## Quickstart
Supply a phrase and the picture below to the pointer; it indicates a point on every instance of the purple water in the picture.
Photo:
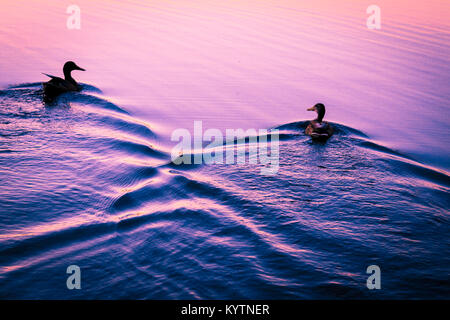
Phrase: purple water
(89, 180)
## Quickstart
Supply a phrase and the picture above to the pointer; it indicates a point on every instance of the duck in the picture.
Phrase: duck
(56, 85)
(318, 129)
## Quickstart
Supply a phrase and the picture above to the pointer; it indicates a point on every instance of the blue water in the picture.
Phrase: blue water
(85, 182)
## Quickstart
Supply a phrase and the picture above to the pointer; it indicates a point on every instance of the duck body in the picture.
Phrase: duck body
(317, 129)
(57, 86)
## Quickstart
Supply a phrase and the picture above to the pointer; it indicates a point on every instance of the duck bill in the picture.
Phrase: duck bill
(81, 69)
(311, 109)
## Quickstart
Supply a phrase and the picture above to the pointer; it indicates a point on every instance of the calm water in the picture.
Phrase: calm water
(89, 180)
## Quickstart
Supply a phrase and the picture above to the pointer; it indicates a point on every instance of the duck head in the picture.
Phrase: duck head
(320, 109)
(69, 66)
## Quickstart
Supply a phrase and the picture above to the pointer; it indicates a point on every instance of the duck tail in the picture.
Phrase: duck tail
(48, 75)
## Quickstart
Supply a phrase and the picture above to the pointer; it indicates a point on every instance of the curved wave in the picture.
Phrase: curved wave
(339, 128)
(95, 184)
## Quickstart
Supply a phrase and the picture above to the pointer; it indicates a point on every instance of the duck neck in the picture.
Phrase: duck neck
(68, 77)
(320, 116)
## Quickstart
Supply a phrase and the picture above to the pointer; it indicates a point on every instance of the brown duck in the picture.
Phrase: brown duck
(318, 129)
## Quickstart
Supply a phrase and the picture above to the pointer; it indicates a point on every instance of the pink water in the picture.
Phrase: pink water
(250, 64)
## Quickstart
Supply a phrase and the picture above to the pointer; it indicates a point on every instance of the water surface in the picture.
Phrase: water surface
(89, 180)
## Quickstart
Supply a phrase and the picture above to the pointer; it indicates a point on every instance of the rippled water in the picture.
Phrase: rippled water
(89, 180)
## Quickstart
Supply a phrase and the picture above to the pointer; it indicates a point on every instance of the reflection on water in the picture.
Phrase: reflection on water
(88, 180)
